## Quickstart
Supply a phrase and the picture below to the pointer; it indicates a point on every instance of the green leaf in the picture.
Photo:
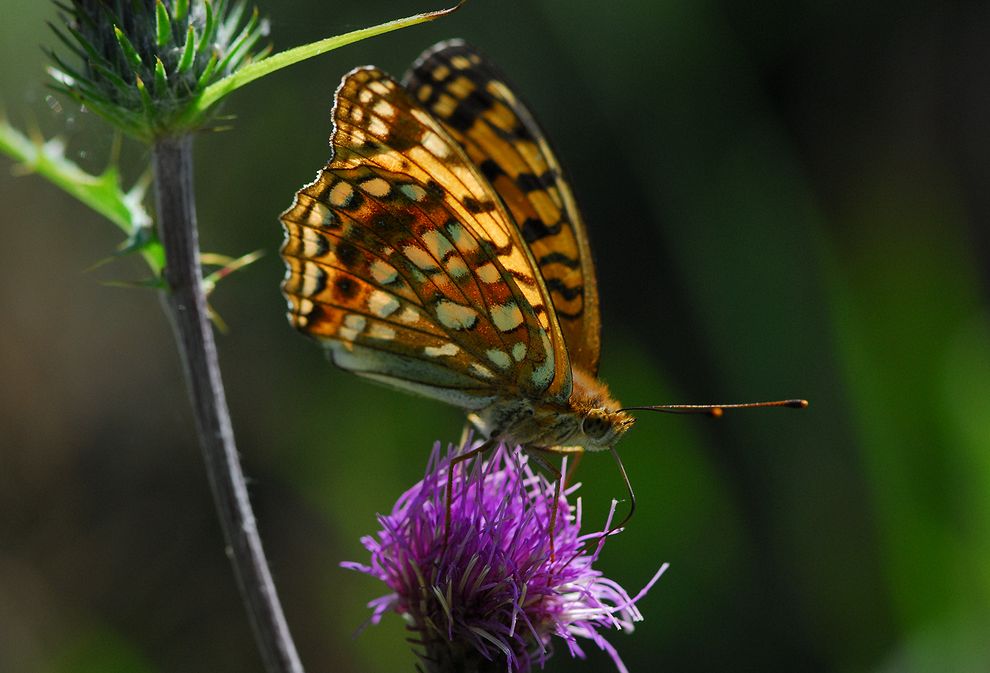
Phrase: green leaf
(161, 78)
(180, 10)
(188, 52)
(234, 18)
(139, 240)
(63, 74)
(130, 53)
(146, 101)
(241, 42)
(207, 72)
(91, 51)
(163, 25)
(228, 265)
(152, 283)
(64, 39)
(209, 30)
(257, 69)
(107, 74)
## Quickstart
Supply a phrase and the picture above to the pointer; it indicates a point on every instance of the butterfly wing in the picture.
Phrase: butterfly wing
(471, 99)
(405, 264)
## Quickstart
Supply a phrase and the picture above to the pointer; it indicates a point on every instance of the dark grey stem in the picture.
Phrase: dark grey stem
(185, 304)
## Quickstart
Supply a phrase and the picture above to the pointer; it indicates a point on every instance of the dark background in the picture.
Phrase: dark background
(784, 199)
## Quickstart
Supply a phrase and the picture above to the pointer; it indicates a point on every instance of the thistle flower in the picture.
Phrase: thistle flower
(143, 63)
(492, 595)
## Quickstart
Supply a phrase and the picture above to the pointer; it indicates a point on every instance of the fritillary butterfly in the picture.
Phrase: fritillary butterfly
(441, 252)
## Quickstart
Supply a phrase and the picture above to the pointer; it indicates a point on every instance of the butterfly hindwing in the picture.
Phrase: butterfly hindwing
(468, 95)
(405, 264)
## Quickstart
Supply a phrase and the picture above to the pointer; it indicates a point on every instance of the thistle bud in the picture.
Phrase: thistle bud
(143, 64)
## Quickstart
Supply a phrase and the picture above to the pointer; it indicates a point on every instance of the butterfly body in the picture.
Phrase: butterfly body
(588, 421)
(441, 252)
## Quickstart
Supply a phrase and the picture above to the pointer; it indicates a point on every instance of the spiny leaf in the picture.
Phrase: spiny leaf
(188, 52)
(234, 18)
(140, 240)
(180, 10)
(209, 30)
(64, 39)
(161, 79)
(217, 321)
(163, 25)
(94, 55)
(241, 41)
(227, 264)
(146, 102)
(154, 283)
(207, 72)
(130, 53)
(115, 79)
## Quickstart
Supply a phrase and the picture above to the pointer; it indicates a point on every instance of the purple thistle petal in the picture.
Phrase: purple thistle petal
(491, 597)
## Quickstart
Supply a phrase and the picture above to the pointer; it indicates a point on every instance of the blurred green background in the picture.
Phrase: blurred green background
(785, 199)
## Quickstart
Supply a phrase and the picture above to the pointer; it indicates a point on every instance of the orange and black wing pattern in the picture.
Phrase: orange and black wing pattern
(406, 265)
(467, 94)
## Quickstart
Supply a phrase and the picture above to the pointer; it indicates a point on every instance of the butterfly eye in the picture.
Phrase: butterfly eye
(594, 427)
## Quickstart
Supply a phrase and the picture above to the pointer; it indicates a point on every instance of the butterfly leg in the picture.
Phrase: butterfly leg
(454, 462)
(558, 477)
(543, 461)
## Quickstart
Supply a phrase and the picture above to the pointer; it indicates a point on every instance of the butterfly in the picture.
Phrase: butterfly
(440, 251)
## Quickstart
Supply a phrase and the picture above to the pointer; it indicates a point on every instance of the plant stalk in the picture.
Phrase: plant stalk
(185, 304)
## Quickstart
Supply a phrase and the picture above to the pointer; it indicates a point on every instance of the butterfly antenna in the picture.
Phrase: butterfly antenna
(716, 410)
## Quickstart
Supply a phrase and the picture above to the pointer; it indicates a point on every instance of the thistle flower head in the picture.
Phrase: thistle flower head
(492, 595)
(142, 63)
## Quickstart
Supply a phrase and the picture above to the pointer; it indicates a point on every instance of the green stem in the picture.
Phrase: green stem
(185, 303)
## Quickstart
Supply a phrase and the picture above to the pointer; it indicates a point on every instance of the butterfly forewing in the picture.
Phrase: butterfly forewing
(405, 263)
(468, 95)
(376, 121)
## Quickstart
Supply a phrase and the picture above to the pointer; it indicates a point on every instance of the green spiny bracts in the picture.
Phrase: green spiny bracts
(142, 64)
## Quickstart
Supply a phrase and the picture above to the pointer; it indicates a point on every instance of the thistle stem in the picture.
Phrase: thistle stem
(185, 304)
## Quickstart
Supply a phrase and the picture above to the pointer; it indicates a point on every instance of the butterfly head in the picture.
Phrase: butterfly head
(602, 427)
(600, 420)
